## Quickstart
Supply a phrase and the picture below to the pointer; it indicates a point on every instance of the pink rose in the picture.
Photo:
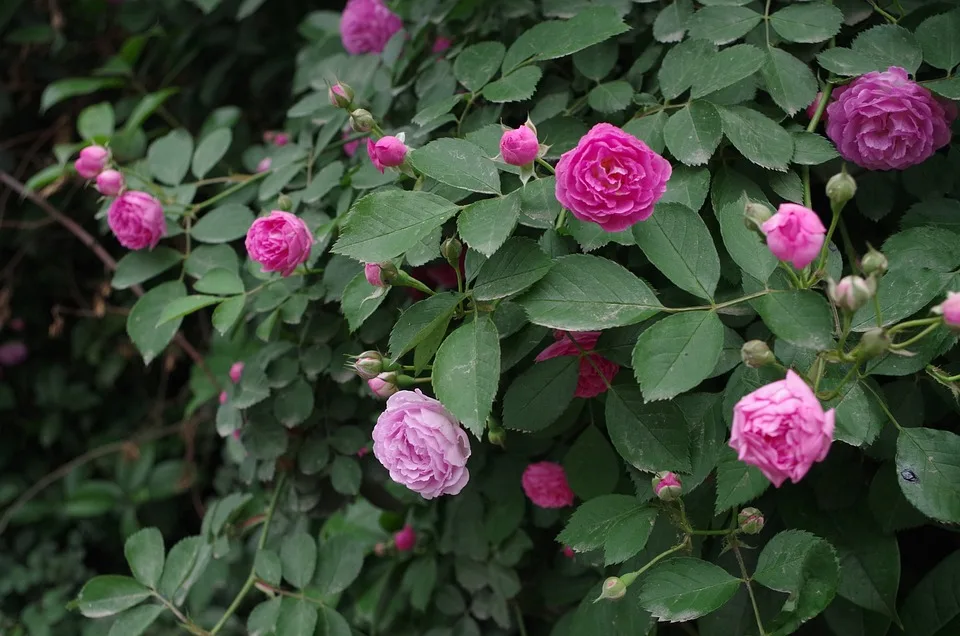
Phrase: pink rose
(589, 383)
(264, 164)
(12, 353)
(384, 385)
(350, 147)
(519, 146)
(422, 445)
(545, 484)
(611, 178)
(885, 121)
(406, 539)
(374, 274)
(794, 234)
(367, 25)
(279, 242)
(92, 161)
(950, 310)
(110, 183)
(782, 429)
(441, 44)
(136, 219)
(815, 104)
(236, 371)
(387, 152)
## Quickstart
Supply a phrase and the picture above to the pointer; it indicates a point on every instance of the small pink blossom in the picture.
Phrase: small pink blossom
(950, 310)
(281, 139)
(374, 274)
(223, 397)
(387, 152)
(110, 183)
(795, 234)
(406, 539)
(590, 383)
(279, 242)
(236, 371)
(136, 219)
(92, 161)
(441, 44)
(568, 552)
(545, 484)
(367, 25)
(264, 164)
(519, 146)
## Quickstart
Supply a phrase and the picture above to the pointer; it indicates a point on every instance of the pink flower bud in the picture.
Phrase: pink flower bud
(384, 385)
(388, 152)
(236, 435)
(281, 139)
(406, 539)
(223, 397)
(756, 354)
(666, 486)
(264, 164)
(750, 521)
(441, 44)
(12, 353)
(92, 161)
(852, 292)
(519, 146)
(795, 234)
(874, 263)
(236, 370)
(613, 589)
(110, 183)
(545, 483)
(136, 219)
(368, 364)
(374, 274)
(340, 95)
(568, 552)
(950, 310)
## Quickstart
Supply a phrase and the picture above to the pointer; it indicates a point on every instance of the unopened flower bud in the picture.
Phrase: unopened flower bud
(374, 273)
(264, 164)
(340, 95)
(874, 263)
(110, 183)
(361, 121)
(754, 216)
(950, 310)
(756, 354)
(875, 342)
(451, 250)
(281, 139)
(495, 432)
(852, 292)
(568, 552)
(406, 539)
(368, 364)
(666, 486)
(750, 521)
(841, 188)
(613, 589)
(284, 202)
(384, 385)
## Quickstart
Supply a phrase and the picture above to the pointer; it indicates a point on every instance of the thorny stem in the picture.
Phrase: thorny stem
(746, 579)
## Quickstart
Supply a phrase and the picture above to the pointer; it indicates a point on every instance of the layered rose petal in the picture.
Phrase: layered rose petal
(590, 382)
(519, 146)
(279, 242)
(545, 483)
(136, 219)
(367, 25)
(795, 234)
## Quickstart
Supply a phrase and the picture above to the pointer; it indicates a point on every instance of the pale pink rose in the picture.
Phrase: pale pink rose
(12, 353)
(92, 161)
(422, 445)
(885, 121)
(950, 310)
(236, 371)
(611, 178)
(794, 234)
(279, 242)
(387, 152)
(110, 183)
(374, 274)
(350, 148)
(815, 104)
(406, 539)
(589, 383)
(264, 164)
(367, 25)
(384, 385)
(441, 44)
(545, 484)
(519, 146)
(136, 219)
(782, 429)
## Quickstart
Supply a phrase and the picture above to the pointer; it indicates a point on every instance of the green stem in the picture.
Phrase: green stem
(718, 306)
(920, 322)
(914, 339)
(251, 579)
(223, 195)
(797, 283)
(883, 405)
(630, 577)
(822, 261)
(830, 395)
(466, 109)
(176, 612)
(711, 532)
(520, 624)
(746, 580)
(821, 107)
(561, 219)
(877, 309)
(848, 244)
(546, 165)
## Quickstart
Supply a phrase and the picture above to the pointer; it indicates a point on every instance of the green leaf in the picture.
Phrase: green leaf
(688, 187)
(137, 267)
(518, 86)
(341, 559)
(248, 8)
(672, 21)
(789, 81)
(421, 578)
(345, 475)
(683, 65)
(889, 506)
(457, 163)
(650, 436)
(360, 300)
(298, 556)
(903, 292)
(297, 618)
(678, 243)
(420, 320)
(147, 105)
(514, 267)
(929, 468)
(804, 566)
(801, 317)
(227, 313)
(169, 156)
(135, 621)
(540, 395)
(96, 121)
(677, 353)
(810, 149)
(332, 623)
(207, 257)
(648, 129)
(538, 203)
(875, 49)
(722, 25)
(933, 605)
(268, 566)
(859, 413)
(294, 403)
(181, 560)
(807, 22)
(437, 109)
(60, 90)
(210, 150)
(466, 372)
(597, 61)
(693, 133)
(726, 68)
(145, 553)
(486, 224)
(223, 224)
(149, 338)
(278, 179)
(737, 482)
(591, 465)
(478, 63)
(219, 281)
(387, 223)
(936, 36)
(610, 97)
(619, 524)
(263, 618)
(323, 182)
(583, 293)
(729, 198)
(108, 595)
(685, 588)
(760, 139)
(180, 307)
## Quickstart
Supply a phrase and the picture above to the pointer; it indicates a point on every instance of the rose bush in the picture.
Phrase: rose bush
(526, 380)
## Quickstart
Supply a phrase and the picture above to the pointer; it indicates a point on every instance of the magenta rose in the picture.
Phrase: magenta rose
(795, 234)
(545, 483)
(367, 25)
(519, 146)
(279, 242)
(92, 161)
(611, 178)
(110, 183)
(885, 121)
(405, 539)
(422, 445)
(782, 429)
(136, 219)
(387, 152)
(590, 382)
(950, 310)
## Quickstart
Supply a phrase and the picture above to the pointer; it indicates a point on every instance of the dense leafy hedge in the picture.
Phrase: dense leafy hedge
(617, 266)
